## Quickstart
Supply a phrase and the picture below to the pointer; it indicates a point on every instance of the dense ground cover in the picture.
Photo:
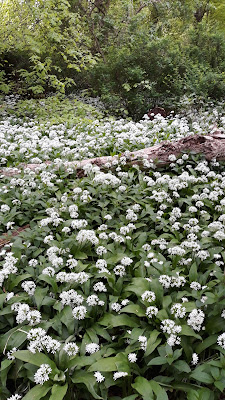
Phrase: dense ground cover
(116, 290)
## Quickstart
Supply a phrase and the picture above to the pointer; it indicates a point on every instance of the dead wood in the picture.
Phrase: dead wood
(211, 146)
(7, 237)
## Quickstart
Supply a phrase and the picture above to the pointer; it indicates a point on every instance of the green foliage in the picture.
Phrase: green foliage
(129, 368)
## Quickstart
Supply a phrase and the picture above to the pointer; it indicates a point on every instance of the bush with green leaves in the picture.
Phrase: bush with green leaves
(116, 289)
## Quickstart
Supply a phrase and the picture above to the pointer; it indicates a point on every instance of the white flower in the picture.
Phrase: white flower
(119, 270)
(194, 359)
(92, 300)
(87, 236)
(196, 319)
(79, 312)
(173, 340)
(116, 307)
(34, 317)
(9, 296)
(221, 340)
(195, 286)
(92, 348)
(223, 314)
(169, 326)
(108, 217)
(101, 250)
(71, 349)
(132, 357)
(36, 334)
(118, 375)
(150, 311)
(148, 296)
(99, 377)
(126, 261)
(143, 341)
(5, 208)
(178, 310)
(29, 287)
(42, 374)
(99, 287)
(15, 397)
(10, 355)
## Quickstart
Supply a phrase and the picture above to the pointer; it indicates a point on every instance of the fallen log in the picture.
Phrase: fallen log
(212, 146)
(7, 237)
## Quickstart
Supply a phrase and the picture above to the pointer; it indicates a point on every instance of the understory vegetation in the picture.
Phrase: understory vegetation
(115, 289)
(130, 53)
(111, 279)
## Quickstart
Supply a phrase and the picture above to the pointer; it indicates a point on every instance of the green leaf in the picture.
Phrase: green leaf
(182, 366)
(138, 286)
(158, 390)
(14, 338)
(134, 309)
(5, 366)
(187, 331)
(143, 387)
(209, 341)
(158, 361)
(201, 376)
(119, 320)
(15, 282)
(152, 342)
(2, 299)
(58, 392)
(104, 365)
(88, 380)
(193, 273)
(51, 281)
(35, 359)
(38, 392)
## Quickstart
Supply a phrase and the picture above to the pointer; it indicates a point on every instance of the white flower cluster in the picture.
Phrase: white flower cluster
(71, 349)
(42, 374)
(196, 319)
(71, 298)
(24, 313)
(39, 341)
(87, 236)
(172, 281)
(148, 296)
(8, 267)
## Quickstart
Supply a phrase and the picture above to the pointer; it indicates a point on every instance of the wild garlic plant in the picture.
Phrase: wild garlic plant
(116, 289)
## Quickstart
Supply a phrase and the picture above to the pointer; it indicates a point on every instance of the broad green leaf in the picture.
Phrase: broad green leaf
(187, 331)
(38, 392)
(138, 286)
(158, 390)
(209, 341)
(35, 359)
(2, 299)
(182, 366)
(13, 338)
(134, 309)
(111, 320)
(193, 273)
(105, 365)
(88, 380)
(51, 281)
(201, 376)
(158, 361)
(58, 392)
(152, 342)
(5, 366)
(16, 280)
(143, 387)
(152, 347)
